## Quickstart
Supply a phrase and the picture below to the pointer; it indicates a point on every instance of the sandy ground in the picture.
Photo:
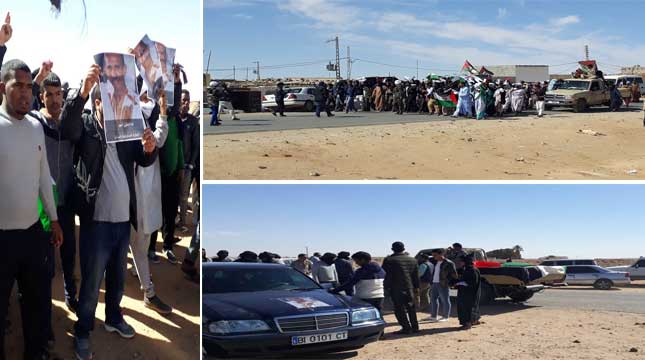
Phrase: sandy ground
(561, 146)
(175, 336)
(515, 332)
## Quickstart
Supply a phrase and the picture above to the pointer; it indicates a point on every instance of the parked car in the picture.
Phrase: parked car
(252, 309)
(624, 79)
(568, 262)
(598, 277)
(299, 98)
(636, 271)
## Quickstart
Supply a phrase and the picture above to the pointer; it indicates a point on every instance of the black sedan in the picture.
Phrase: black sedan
(269, 309)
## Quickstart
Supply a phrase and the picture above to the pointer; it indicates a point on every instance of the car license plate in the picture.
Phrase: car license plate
(318, 338)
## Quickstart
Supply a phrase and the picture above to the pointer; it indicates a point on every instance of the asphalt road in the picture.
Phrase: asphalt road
(630, 300)
(255, 122)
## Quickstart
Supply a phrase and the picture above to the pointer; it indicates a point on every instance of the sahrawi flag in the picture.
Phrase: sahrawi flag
(469, 68)
(446, 100)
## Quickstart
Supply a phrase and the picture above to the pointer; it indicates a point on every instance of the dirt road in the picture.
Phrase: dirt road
(561, 146)
(158, 337)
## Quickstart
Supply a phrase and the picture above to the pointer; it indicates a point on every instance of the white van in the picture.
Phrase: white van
(623, 79)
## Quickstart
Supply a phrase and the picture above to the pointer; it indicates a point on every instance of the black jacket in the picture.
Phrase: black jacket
(279, 96)
(189, 136)
(3, 50)
(89, 156)
(401, 272)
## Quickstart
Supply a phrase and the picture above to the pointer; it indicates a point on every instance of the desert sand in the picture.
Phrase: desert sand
(564, 145)
(518, 332)
(175, 336)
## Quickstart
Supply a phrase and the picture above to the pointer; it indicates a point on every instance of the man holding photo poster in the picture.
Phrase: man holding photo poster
(104, 199)
(149, 65)
(167, 59)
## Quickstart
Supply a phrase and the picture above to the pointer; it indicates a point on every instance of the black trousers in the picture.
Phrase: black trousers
(405, 309)
(476, 313)
(465, 304)
(27, 262)
(169, 204)
(280, 108)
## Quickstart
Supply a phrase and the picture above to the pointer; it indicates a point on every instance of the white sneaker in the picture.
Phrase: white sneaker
(443, 319)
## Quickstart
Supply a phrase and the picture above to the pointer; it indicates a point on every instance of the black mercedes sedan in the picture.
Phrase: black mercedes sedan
(269, 309)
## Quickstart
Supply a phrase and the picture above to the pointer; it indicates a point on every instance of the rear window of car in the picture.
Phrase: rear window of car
(222, 280)
(294, 91)
(585, 262)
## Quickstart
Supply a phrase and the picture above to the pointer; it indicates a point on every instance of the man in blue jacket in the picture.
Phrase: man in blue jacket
(367, 281)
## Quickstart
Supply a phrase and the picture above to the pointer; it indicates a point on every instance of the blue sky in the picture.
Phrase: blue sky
(112, 26)
(440, 34)
(571, 220)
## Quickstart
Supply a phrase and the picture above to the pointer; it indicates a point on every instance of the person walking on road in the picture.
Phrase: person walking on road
(279, 100)
(321, 96)
(402, 282)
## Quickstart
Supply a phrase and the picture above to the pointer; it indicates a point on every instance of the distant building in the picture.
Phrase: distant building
(518, 73)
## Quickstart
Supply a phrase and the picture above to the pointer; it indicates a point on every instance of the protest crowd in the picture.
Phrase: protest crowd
(412, 284)
(58, 168)
(473, 94)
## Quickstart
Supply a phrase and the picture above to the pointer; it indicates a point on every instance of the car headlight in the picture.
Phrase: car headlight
(225, 327)
(360, 316)
(568, 97)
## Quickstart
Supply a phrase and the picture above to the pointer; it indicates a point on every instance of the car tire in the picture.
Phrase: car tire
(580, 106)
(309, 106)
(487, 293)
(603, 284)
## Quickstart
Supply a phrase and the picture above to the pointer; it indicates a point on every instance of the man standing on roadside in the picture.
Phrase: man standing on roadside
(402, 281)
(444, 273)
(190, 135)
(302, 264)
(25, 178)
(279, 100)
(344, 269)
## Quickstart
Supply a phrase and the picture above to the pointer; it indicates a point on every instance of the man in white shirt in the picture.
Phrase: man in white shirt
(444, 274)
(25, 178)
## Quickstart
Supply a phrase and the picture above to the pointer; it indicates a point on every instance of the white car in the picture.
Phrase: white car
(596, 276)
(636, 271)
(300, 98)
(613, 79)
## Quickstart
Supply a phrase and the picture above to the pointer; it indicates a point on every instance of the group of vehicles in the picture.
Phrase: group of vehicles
(579, 94)
(257, 308)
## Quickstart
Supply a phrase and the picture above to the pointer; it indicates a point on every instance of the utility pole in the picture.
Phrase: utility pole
(233, 72)
(257, 69)
(417, 69)
(349, 65)
(208, 64)
(247, 73)
(587, 52)
(336, 40)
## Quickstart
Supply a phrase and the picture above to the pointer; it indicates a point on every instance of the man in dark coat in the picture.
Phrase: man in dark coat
(321, 96)
(344, 269)
(468, 286)
(402, 282)
(279, 100)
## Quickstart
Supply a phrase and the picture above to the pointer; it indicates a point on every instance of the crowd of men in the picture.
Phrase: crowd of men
(412, 284)
(57, 167)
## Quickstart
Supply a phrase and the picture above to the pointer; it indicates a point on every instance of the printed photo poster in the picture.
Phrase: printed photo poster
(304, 302)
(167, 59)
(122, 117)
(150, 65)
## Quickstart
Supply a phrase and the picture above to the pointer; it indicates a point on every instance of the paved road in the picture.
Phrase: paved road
(631, 300)
(254, 122)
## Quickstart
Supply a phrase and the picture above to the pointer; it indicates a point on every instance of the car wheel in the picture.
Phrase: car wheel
(581, 106)
(309, 106)
(487, 293)
(603, 284)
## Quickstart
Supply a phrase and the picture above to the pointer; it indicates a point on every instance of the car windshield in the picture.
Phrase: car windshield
(222, 280)
(574, 85)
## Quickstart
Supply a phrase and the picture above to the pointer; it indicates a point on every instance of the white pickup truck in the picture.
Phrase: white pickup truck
(636, 271)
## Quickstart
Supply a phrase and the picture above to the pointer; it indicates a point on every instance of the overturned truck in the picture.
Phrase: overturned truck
(519, 282)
